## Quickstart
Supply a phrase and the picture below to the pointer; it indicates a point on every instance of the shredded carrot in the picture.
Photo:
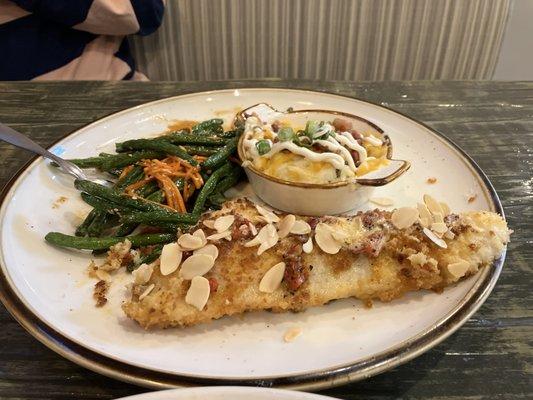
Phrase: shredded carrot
(130, 189)
(165, 173)
(125, 171)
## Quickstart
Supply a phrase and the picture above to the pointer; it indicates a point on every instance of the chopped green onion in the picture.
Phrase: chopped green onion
(310, 129)
(285, 134)
(263, 147)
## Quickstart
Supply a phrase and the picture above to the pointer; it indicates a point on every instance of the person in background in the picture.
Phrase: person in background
(73, 39)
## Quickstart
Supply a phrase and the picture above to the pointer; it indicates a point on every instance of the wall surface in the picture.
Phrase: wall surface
(325, 39)
(515, 61)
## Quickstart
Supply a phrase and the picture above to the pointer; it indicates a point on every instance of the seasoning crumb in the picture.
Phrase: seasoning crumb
(292, 334)
(472, 198)
(99, 294)
(60, 200)
(431, 180)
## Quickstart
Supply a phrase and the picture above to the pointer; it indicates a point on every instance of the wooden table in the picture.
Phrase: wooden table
(490, 356)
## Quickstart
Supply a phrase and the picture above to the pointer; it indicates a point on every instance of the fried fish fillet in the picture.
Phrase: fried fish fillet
(376, 261)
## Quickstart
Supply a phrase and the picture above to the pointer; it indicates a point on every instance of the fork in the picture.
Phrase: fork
(18, 139)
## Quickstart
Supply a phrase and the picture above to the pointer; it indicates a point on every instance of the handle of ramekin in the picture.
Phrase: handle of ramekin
(373, 178)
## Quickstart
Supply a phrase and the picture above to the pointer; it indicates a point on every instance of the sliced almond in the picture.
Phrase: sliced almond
(439, 227)
(307, 247)
(404, 217)
(269, 216)
(223, 223)
(200, 233)
(300, 227)
(435, 239)
(271, 239)
(382, 201)
(190, 242)
(338, 234)
(292, 334)
(142, 274)
(432, 204)
(325, 240)
(445, 208)
(458, 269)
(425, 215)
(285, 225)
(220, 235)
(210, 250)
(209, 223)
(425, 222)
(170, 258)
(272, 278)
(196, 265)
(264, 233)
(437, 217)
(198, 293)
(253, 229)
(147, 291)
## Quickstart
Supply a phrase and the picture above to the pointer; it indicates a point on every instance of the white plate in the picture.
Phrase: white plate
(48, 290)
(226, 393)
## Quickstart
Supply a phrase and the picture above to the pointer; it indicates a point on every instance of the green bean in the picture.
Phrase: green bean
(158, 145)
(187, 138)
(94, 243)
(135, 175)
(209, 187)
(231, 180)
(210, 126)
(81, 230)
(217, 197)
(123, 160)
(230, 134)
(90, 162)
(200, 150)
(99, 224)
(216, 160)
(155, 218)
(112, 196)
(104, 205)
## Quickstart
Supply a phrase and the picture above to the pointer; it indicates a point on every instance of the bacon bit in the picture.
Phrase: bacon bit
(313, 222)
(241, 228)
(431, 180)
(213, 285)
(472, 198)
(295, 272)
(342, 125)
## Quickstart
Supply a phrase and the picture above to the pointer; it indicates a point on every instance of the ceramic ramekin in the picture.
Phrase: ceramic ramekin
(316, 199)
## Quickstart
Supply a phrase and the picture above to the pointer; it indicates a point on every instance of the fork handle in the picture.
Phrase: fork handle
(15, 138)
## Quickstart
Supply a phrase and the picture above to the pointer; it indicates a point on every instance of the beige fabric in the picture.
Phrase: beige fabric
(9, 11)
(97, 62)
(106, 17)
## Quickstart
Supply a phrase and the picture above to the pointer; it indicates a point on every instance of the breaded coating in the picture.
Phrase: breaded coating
(377, 261)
